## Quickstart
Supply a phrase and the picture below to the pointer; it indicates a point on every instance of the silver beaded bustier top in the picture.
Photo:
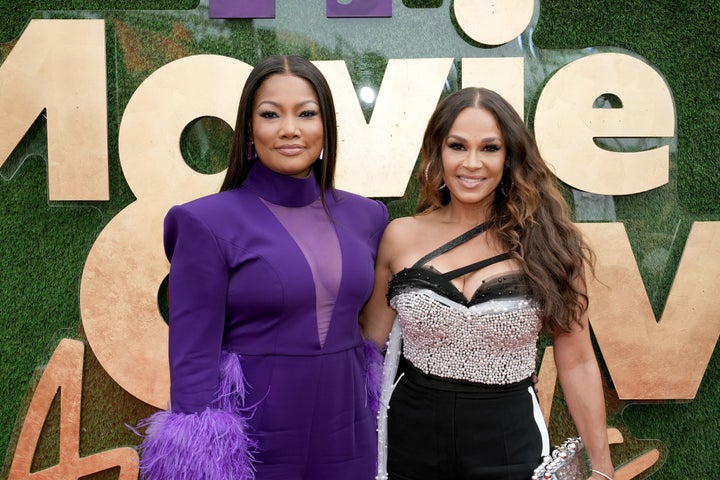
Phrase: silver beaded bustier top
(490, 338)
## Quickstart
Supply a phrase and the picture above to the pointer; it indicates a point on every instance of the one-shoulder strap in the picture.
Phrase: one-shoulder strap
(474, 232)
(475, 266)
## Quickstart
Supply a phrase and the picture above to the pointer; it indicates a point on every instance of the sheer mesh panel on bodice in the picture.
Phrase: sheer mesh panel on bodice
(314, 233)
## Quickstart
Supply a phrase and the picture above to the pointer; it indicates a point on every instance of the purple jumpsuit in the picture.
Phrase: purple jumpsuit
(265, 290)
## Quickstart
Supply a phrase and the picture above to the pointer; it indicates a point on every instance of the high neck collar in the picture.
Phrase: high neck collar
(281, 189)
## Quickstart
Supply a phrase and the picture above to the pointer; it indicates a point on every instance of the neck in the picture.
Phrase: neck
(466, 215)
(281, 189)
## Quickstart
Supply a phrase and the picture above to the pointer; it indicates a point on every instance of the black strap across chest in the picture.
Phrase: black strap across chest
(459, 240)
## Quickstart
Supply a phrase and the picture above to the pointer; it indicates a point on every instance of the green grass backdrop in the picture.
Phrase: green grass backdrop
(44, 244)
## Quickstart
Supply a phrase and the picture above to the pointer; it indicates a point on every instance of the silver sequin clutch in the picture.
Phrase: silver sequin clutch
(566, 462)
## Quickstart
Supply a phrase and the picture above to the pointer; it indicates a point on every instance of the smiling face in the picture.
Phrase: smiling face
(287, 127)
(473, 158)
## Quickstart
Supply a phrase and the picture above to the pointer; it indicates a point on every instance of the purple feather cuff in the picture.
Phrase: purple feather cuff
(209, 445)
(373, 375)
(212, 445)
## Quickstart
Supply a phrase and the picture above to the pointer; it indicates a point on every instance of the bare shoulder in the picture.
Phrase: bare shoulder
(397, 234)
(404, 242)
(400, 229)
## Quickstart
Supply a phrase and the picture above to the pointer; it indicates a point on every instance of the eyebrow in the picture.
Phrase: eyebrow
(301, 104)
(484, 140)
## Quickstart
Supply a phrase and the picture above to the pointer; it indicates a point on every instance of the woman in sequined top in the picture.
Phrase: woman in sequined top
(490, 259)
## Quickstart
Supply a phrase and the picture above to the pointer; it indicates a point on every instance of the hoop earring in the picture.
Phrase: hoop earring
(427, 176)
(322, 153)
(250, 151)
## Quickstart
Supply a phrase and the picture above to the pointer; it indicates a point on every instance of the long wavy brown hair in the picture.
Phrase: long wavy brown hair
(529, 214)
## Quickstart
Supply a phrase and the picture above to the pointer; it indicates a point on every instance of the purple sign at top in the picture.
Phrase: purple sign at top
(359, 8)
(242, 9)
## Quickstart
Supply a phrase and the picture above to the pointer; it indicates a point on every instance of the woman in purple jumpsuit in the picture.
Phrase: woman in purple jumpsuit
(267, 279)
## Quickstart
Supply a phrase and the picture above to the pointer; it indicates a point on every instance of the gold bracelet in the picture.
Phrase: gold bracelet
(601, 474)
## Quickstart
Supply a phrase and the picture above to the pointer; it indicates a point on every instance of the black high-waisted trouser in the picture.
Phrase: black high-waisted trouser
(442, 429)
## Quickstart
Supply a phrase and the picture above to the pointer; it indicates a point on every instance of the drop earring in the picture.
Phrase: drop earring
(506, 174)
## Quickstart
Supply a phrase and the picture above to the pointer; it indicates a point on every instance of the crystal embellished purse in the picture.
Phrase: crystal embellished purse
(566, 462)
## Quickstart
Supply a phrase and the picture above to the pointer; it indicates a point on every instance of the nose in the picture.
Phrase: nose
(289, 127)
(473, 159)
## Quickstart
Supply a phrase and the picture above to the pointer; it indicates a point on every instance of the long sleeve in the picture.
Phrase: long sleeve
(383, 215)
(205, 433)
(197, 298)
